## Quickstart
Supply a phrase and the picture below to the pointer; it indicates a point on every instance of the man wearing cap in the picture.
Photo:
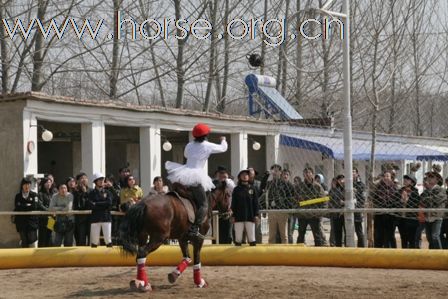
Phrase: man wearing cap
(223, 175)
(309, 189)
(409, 223)
(385, 195)
(100, 202)
(280, 195)
(433, 197)
(193, 174)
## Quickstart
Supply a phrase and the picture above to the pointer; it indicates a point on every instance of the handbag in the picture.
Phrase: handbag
(63, 224)
(50, 223)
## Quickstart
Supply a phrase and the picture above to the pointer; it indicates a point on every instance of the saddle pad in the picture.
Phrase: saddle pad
(189, 207)
(187, 204)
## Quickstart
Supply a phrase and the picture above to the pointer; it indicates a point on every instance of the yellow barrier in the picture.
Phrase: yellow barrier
(225, 255)
(314, 201)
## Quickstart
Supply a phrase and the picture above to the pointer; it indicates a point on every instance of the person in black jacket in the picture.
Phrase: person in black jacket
(80, 199)
(358, 189)
(45, 194)
(256, 184)
(100, 202)
(337, 201)
(385, 195)
(27, 226)
(109, 185)
(409, 199)
(307, 190)
(245, 209)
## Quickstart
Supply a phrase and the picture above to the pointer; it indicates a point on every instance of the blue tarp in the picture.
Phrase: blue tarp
(334, 148)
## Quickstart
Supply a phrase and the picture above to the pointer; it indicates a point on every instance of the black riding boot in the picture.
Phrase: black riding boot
(200, 199)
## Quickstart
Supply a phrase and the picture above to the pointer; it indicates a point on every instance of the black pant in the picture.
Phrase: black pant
(337, 225)
(82, 231)
(410, 231)
(28, 237)
(45, 237)
(399, 222)
(359, 233)
(384, 231)
(444, 233)
(115, 229)
(316, 228)
(258, 233)
(225, 231)
(201, 202)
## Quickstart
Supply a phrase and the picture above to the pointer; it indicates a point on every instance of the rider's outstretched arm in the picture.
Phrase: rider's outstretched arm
(218, 148)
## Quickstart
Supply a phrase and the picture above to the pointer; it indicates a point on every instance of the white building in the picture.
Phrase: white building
(102, 136)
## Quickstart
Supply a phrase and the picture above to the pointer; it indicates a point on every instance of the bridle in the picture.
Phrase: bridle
(218, 199)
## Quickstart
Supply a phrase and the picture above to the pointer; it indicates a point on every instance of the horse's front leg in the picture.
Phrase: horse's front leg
(174, 275)
(142, 282)
(198, 280)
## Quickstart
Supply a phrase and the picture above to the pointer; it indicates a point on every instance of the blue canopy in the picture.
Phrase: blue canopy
(333, 147)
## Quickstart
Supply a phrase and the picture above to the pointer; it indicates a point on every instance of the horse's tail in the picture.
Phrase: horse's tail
(131, 226)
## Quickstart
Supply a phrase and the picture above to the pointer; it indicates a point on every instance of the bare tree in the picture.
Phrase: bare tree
(212, 60)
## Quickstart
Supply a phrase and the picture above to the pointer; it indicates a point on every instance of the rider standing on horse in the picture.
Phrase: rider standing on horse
(193, 173)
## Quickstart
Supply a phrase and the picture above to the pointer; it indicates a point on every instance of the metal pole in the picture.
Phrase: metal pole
(215, 218)
(348, 163)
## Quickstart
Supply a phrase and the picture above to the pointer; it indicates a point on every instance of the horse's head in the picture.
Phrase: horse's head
(221, 198)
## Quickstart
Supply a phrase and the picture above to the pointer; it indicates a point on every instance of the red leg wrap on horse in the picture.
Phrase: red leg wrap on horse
(197, 276)
(183, 265)
(141, 273)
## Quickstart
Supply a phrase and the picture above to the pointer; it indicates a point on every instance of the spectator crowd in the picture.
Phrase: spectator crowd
(251, 193)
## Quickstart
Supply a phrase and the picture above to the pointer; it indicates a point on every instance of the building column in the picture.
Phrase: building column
(93, 148)
(133, 158)
(238, 152)
(29, 144)
(272, 149)
(76, 156)
(150, 157)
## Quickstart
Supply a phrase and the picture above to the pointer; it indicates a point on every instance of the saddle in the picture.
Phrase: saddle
(185, 196)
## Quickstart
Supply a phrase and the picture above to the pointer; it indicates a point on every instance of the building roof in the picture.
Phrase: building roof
(117, 104)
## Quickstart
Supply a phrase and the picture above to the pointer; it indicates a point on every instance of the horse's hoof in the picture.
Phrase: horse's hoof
(203, 284)
(173, 276)
(139, 285)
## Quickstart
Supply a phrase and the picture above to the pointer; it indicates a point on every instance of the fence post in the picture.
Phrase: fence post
(215, 219)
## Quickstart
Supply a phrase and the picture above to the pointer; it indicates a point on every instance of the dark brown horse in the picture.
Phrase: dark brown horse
(158, 218)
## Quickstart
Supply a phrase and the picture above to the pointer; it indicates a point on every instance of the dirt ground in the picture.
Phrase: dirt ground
(226, 282)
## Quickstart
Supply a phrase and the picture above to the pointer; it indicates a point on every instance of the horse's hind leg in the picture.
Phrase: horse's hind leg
(174, 275)
(142, 281)
(198, 280)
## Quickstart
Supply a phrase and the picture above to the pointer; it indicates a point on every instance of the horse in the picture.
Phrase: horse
(163, 217)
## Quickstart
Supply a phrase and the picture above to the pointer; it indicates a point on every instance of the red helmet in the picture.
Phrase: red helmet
(201, 130)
